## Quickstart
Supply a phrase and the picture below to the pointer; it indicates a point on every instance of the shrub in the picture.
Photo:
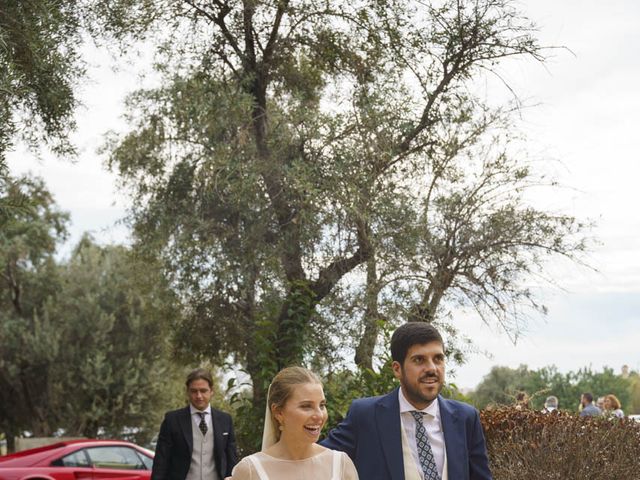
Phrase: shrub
(528, 445)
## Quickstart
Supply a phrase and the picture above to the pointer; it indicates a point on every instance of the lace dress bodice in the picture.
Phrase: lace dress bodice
(327, 465)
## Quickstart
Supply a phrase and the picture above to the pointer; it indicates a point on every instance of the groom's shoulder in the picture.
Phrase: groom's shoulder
(458, 406)
(369, 402)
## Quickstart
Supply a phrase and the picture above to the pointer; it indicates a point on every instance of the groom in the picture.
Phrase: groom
(413, 433)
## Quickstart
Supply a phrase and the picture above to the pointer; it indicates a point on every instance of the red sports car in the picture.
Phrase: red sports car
(79, 460)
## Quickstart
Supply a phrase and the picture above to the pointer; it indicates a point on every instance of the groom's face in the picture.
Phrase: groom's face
(421, 374)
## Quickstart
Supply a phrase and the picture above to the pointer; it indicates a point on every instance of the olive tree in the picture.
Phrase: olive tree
(312, 169)
(39, 66)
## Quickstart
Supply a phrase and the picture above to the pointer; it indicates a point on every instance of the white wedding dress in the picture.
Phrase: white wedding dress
(327, 465)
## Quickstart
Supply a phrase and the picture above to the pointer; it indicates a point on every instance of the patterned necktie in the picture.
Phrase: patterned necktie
(427, 461)
(203, 424)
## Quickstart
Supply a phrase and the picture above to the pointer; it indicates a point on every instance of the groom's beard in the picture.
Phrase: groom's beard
(417, 395)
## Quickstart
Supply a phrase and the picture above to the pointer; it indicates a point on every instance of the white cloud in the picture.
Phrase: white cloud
(84, 187)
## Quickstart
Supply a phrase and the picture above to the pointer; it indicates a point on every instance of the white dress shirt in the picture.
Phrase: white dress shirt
(196, 417)
(433, 426)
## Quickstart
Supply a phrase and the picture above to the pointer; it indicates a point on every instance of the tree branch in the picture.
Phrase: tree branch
(273, 36)
(219, 20)
(332, 273)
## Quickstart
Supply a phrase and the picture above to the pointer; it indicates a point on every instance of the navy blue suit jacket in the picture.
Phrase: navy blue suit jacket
(371, 435)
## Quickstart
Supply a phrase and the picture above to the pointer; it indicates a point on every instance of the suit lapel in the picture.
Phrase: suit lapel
(453, 438)
(186, 425)
(387, 411)
(217, 435)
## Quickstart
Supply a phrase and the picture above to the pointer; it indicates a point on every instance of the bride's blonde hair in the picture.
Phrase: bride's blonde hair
(283, 385)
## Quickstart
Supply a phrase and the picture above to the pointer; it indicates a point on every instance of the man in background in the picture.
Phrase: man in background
(196, 442)
(550, 404)
(588, 408)
(522, 401)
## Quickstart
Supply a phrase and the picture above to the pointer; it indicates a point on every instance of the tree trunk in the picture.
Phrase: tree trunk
(426, 310)
(11, 441)
(292, 325)
(366, 346)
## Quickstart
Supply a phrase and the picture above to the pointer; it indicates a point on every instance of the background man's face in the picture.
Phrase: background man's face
(422, 373)
(199, 393)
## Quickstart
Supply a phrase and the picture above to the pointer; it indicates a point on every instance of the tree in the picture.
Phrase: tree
(39, 65)
(499, 386)
(310, 170)
(633, 407)
(116, 311)
(85, 343)
(600, 384)
(28, 237)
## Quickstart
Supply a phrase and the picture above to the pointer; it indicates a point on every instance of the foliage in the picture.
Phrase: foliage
(39, 65)
(286, 150)
(501, 384)
(29, 233)
(342, 387)
(85, 344)
(118, 310)
(525, 444)
(321, 169)
(5, 205)
(248, 422)
(633, 407)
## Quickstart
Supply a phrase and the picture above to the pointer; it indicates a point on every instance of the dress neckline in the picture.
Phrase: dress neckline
(323, 452)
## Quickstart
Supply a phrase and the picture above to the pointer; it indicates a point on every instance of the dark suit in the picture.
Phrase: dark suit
(175, 445)
(371, 435)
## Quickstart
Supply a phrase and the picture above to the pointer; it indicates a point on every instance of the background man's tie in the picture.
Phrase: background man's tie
(427, 461)
(203, 424)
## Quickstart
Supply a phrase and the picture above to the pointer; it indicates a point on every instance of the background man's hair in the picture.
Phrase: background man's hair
(199, 374)
(410, 334)
(588, 397)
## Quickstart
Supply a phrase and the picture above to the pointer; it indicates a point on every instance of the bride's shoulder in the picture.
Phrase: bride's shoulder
(243, 469)
(326, 454)
(319, 450)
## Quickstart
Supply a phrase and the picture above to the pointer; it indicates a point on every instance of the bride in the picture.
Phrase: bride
(296, 413)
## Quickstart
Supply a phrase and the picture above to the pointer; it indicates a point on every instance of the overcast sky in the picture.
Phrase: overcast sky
(586, 121)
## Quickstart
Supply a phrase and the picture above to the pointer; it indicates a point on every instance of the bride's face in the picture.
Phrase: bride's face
(304, 413)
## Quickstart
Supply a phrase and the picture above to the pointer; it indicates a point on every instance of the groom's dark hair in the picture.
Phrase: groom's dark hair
(410, 334)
